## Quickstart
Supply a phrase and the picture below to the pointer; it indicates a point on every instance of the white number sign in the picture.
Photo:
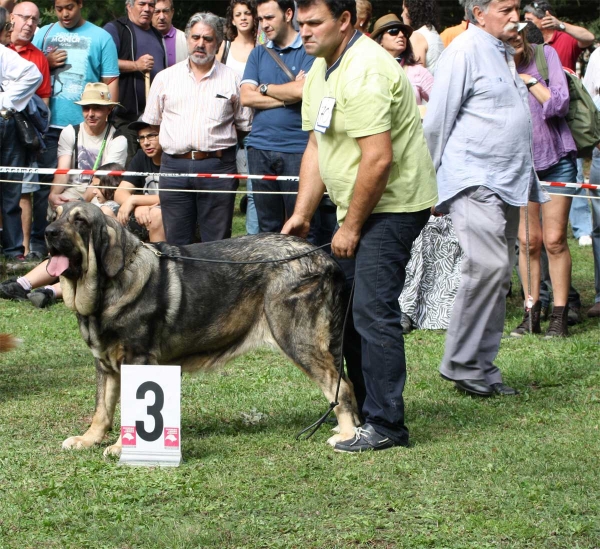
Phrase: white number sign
(151, 415)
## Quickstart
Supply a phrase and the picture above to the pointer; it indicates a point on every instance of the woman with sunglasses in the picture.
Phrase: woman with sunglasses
(394, 37)
(554, 153)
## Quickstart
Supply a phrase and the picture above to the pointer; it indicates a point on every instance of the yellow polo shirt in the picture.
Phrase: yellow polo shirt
(372, 95)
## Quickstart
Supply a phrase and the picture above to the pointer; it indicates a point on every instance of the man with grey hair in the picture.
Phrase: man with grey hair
(141, 52)
(478, 128)
(568, 40)
(197, 104)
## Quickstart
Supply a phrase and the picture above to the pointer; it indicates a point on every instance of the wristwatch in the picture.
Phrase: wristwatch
(263, 89)
(532, 83)
(561, 26)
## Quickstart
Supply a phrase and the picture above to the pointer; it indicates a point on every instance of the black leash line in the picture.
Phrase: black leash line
(317, 424)
(158, 253)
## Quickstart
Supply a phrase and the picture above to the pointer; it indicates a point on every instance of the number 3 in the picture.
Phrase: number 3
(153, 410)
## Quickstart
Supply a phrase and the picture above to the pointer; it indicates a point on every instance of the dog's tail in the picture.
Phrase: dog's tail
(8, 342)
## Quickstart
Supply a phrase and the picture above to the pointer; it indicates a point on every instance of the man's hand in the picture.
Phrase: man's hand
(344, 243)
(57, 200)
(550, 22)
(144, 63)
(296, 226)
(56, 58)
(142, 214)
(125, 211)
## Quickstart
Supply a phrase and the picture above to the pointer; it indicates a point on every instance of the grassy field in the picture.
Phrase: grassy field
(503, 472)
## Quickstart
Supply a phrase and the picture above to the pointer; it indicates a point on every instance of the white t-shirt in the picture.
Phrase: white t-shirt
(88, 147)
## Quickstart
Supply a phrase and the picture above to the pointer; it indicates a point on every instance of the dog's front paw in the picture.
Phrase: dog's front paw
(114, 450)
(339, 438)
(77, 443)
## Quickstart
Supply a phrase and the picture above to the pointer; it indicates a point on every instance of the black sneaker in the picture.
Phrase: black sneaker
(574, 315)
(11, 289)
(365, 439)
(42, 298)
(34, 257)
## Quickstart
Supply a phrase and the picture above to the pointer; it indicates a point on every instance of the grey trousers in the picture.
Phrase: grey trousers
(486, 228)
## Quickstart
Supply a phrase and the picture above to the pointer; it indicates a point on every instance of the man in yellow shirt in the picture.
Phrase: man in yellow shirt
(366, 148)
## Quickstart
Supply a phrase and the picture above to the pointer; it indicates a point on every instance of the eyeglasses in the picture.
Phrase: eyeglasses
(393, 32)
(166, 11)
(8, 27)
(34, 20)
(147, 137)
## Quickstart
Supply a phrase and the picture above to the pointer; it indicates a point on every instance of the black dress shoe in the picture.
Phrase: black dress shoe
(471, 386)
(501, 389)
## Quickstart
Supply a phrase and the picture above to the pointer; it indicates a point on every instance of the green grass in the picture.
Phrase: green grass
(503, 472)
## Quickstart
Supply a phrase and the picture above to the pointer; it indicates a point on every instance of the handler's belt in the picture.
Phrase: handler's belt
(200, 155)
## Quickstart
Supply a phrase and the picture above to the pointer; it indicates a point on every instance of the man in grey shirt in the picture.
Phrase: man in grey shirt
(478, 129)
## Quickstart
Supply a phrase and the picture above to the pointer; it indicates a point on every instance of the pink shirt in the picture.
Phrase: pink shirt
(421, 81)
(200, 116)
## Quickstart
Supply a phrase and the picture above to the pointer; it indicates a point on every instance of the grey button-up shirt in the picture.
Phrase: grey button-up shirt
(478, 123)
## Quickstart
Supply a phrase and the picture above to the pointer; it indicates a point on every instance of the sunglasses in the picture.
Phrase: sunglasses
(394, 32)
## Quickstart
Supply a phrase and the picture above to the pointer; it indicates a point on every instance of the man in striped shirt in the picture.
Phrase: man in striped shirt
(197, 105)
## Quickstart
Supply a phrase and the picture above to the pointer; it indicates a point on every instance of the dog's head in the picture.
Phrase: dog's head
(81, 239)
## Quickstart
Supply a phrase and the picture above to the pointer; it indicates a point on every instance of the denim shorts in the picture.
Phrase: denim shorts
(564, 171)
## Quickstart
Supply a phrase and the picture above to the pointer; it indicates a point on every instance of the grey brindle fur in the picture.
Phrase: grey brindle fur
(136, 308)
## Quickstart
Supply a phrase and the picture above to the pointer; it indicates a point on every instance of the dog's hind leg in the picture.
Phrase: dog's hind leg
(305, 332)
(108, 388)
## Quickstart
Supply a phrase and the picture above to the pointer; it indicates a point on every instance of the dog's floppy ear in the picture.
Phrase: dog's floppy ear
(112, 256)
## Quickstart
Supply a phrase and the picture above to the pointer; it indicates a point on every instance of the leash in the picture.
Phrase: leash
(317, 424)
(313, 428)
(158, 253)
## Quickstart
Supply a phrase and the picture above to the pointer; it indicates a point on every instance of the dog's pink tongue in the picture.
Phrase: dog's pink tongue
(57, 265)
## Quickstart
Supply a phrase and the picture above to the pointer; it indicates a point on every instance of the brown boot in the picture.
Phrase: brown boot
(523, 328)
(559, 326)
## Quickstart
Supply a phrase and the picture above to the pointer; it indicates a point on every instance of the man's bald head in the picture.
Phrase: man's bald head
(25, 18)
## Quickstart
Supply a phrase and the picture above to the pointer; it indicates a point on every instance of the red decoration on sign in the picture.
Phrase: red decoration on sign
(128, 436)
(171, 437)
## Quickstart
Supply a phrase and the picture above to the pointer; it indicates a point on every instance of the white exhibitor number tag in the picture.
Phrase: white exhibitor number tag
(151, 415)
(325, 113)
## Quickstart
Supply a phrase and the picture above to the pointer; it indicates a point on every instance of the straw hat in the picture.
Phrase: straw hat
(390, 21)
(96, 93)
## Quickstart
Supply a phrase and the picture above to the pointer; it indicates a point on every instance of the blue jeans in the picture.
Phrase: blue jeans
(12, 154)
(273, 209)
(212, 212)
(373, 343)
(579, 216)
(46, 159)
(595, 180)
(251, 215)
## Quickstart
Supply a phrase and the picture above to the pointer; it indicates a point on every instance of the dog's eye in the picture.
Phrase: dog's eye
(78, 220)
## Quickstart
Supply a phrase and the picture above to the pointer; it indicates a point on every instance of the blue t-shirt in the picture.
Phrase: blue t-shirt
(91, 56)
(278, 129)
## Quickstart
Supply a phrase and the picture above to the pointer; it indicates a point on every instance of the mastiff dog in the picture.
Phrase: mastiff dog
(136, 306)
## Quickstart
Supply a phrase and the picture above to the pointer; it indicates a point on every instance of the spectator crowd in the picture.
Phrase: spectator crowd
(408, 138)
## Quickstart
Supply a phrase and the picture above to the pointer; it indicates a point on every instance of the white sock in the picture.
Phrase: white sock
(24, 283)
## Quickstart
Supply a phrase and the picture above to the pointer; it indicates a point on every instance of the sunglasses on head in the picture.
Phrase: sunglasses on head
(394, 32)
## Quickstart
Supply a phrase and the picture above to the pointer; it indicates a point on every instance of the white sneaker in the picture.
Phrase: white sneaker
(585, 240)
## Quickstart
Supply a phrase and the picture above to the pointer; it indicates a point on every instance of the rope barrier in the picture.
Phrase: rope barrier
(126, 173)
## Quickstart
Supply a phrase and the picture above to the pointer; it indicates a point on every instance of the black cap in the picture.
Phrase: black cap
(138, 125)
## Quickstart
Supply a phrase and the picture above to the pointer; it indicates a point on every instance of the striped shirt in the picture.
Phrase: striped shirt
(197, 116)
